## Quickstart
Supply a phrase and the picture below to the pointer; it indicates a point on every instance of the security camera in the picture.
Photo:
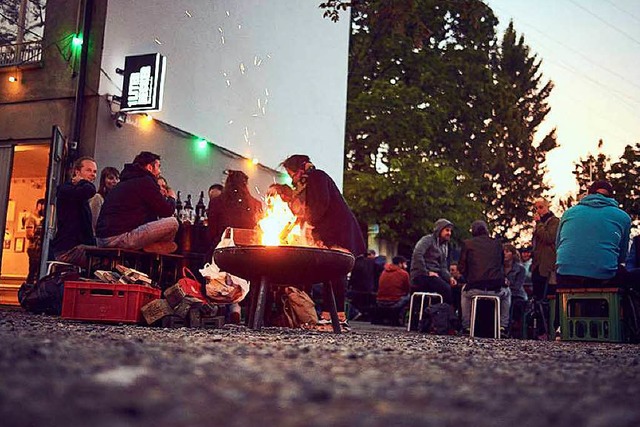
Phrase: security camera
(120, 119)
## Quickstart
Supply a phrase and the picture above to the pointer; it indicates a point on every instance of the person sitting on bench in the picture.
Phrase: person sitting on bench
(135, 214)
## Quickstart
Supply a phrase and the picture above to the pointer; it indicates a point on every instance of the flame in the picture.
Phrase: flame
(279, 225)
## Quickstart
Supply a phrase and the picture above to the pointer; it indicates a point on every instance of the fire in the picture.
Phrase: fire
(279, 225)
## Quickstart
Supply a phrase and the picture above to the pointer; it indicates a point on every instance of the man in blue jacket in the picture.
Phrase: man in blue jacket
(592, 240)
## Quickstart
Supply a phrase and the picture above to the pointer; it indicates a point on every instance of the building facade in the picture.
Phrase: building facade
(247, 84)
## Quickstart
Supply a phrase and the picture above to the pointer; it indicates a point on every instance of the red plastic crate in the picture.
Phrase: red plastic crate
(104, 302)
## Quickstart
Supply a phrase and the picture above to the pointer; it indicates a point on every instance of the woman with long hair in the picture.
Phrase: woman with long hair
(109, 178)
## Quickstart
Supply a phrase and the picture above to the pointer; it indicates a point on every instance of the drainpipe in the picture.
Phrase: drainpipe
(82, 82)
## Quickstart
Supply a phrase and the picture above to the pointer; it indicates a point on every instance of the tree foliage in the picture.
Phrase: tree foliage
(441, 118)
(622, 174)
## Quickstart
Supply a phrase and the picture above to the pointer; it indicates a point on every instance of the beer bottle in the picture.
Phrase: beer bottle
(178, 207)
(200, 209)
(189, 214)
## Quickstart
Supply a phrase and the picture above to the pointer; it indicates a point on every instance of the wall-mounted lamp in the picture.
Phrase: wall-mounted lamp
(13, 79)
(120, 119)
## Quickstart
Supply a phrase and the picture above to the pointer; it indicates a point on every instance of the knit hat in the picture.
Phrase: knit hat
(601, 187)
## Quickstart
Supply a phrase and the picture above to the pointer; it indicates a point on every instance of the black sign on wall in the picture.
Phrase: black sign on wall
(143, 83)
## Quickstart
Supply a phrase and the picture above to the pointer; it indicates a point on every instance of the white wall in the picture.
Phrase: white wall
(291, 97)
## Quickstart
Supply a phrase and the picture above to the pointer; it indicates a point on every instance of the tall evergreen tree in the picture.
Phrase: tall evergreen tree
(429, 90)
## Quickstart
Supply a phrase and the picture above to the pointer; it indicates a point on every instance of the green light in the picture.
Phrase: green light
(202, 143)
(77, 40)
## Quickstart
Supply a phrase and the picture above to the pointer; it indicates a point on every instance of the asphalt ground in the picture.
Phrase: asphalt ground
(55, 372)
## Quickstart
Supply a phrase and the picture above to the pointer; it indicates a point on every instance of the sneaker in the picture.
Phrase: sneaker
(161, 247)
(504, 333)
(344, 326)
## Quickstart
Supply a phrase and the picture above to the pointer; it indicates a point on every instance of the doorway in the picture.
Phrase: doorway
(27, 184)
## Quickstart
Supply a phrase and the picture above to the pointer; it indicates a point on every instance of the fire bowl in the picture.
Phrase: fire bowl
(284, 264)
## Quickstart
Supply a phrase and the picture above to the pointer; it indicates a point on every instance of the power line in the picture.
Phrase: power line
(626, 12)
(605, 22)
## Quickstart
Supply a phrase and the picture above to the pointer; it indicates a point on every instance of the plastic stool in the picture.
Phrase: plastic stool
(496, 323)
(422, 295)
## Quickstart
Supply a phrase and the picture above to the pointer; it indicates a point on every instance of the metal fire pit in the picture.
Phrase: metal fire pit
(293, 265)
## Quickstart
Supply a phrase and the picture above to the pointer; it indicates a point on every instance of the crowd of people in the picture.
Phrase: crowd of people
(134, 209)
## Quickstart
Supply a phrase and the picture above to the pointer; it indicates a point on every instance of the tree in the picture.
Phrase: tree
(516, 169)
(622, 174)
(430, 91)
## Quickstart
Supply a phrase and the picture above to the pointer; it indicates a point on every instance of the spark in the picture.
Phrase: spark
(186, 12)
(157, 40)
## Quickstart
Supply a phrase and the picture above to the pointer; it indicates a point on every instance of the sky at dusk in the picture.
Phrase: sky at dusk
(590, 49)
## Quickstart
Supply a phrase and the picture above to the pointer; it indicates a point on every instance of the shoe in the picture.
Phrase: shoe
(504, 334)
(161, 247)
(465, 332)
(344, 326)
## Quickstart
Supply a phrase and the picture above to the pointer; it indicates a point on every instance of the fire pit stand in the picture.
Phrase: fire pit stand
(291, 265)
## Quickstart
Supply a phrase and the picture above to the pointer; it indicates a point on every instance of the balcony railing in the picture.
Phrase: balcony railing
(21, 53)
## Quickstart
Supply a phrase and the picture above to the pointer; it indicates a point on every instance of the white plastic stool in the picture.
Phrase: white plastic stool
(496, 304)
(422, 295)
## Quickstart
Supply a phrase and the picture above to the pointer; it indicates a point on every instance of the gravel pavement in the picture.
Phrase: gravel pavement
(55, 372)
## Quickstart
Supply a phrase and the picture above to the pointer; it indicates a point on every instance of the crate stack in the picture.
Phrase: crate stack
(178, 309)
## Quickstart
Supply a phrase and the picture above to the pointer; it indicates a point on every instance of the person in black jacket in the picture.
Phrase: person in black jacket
(74, 230)
(481, 262)
(334, 225)
(135, 214)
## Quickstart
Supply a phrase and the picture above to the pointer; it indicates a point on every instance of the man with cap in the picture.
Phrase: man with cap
(481, 262)
(593, 239)
(429, 262)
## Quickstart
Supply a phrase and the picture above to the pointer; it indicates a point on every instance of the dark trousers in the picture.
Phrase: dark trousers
(435, 284)
(539, 283)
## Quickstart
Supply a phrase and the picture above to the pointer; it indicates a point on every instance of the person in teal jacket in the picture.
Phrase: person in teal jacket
(593, 239)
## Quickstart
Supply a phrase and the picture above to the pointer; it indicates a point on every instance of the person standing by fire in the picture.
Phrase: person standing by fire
(333, 222)
(234, 207)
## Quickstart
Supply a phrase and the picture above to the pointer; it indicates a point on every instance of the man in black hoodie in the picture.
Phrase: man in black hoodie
(135, 215)
(481, 262)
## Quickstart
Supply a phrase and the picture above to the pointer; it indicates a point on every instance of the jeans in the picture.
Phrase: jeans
(505, 304)
(435, 284)
(162, 230)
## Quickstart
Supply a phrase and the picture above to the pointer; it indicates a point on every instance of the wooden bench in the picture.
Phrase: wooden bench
(164, 269)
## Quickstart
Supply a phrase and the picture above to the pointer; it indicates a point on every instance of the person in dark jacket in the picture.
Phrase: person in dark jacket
(234, 207)
(135, 214)
(74, 230)
(481, 263)
(429, 262)
(324, 208)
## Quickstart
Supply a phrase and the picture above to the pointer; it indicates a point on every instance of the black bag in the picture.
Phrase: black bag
(438, 319)
(45, 296)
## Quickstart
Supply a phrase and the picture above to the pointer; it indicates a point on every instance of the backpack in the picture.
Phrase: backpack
(45, 296)
(299, 308)
(438, 319)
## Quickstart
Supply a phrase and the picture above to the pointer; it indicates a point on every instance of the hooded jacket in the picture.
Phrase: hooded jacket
(135, 201)
(430, 254)
(593, 238)
(393, 284)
